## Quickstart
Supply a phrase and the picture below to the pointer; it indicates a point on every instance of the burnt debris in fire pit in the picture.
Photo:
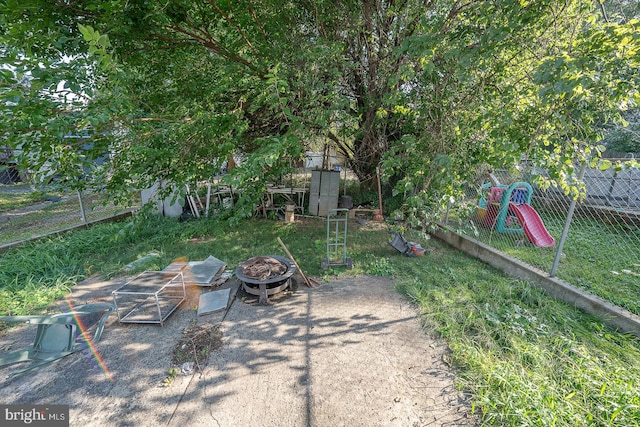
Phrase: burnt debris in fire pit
(263, 268)
(265, 275)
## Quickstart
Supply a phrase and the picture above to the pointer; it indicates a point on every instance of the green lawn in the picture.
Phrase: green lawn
(592, 257)
(525, 359)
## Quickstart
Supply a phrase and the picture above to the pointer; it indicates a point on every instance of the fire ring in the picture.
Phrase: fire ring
(269, 281)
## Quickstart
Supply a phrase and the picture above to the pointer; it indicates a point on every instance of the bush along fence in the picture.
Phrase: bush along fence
(55, 215)
(592, 243)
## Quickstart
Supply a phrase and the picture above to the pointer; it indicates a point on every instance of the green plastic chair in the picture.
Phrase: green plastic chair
(58, 335)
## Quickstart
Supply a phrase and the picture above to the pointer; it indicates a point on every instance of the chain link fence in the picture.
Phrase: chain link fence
(57, 213)
(592, 243)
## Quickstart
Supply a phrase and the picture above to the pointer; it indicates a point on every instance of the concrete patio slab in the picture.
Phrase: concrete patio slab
(351, 352)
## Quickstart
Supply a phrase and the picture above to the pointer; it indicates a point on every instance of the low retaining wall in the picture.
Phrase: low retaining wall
(610, 314)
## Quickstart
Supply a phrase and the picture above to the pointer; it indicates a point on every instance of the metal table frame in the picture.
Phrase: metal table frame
(150, 297)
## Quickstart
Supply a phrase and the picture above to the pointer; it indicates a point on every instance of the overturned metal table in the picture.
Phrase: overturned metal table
(150, 297)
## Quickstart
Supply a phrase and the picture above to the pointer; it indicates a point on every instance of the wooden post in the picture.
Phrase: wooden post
(307, 281)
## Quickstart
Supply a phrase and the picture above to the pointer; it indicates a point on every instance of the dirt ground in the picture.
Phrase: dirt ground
(348, 353)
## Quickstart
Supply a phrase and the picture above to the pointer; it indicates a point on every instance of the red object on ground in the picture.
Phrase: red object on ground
(532, 225)
(378, 216)
(418, 250)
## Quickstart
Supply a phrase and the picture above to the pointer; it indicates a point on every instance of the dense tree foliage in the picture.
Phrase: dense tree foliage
(428, 90)
(624, 138)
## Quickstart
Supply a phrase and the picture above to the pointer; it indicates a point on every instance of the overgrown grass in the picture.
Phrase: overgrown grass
(590, 255)
(526, 359)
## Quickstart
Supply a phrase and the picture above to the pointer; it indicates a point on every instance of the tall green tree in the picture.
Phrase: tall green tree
(623, 137)
(427, 89)
(509, 81)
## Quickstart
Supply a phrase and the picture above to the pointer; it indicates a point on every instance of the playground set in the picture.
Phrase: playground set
(500, 205)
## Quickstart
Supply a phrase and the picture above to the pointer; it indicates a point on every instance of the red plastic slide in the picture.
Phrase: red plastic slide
(532, 225)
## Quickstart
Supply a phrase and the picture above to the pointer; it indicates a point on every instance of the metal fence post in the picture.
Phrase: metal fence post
(567, 224)
(82, 214)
